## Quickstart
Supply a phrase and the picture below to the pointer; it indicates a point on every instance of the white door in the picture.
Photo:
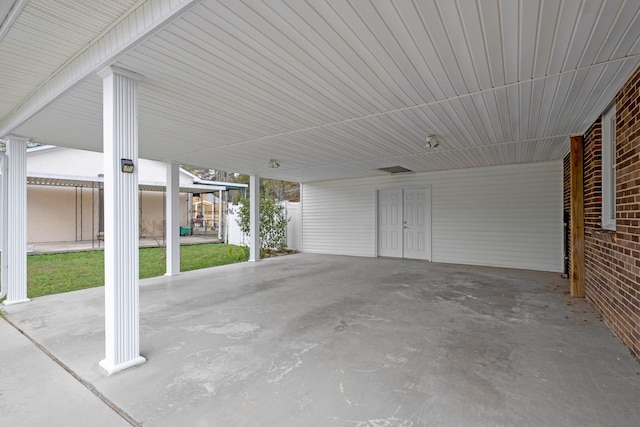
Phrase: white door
(417, 224)
(390, 223)
(404, 223)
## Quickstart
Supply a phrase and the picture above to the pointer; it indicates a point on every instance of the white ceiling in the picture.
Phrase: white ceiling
(335, 89)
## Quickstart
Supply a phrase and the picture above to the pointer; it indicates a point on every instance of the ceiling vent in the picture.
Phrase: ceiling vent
(395, 169)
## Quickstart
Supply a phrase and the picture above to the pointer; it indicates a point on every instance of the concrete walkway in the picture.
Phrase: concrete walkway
(311, 340)
(62, 247)
(35, 391)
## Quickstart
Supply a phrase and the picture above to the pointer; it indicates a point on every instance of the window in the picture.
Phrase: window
(609, 168)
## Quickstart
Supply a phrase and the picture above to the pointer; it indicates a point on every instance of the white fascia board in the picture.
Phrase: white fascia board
(204, 188)
(221, 183)
(65, 177)
(10, 19)
(72, 180)
(190, 188)
(132, 29)
(193, 176)
(42, 148)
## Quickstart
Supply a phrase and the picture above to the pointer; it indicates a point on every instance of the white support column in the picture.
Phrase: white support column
(4, 224)
(121, 220)
(220, 215)
(254, 218)
(173, 219)
(16, 232)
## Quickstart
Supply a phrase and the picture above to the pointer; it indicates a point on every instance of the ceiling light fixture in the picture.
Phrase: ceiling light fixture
(431, 141)
(273, 164)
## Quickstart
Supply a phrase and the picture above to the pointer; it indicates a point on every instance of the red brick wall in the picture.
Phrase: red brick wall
(612, 259)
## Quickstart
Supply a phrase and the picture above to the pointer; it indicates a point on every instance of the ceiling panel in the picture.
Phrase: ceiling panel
(44, 37)
(608, 14)
(510, 39)
(333, 89)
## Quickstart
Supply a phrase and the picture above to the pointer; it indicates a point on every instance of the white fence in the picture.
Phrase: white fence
(233, 234)
(293, 212)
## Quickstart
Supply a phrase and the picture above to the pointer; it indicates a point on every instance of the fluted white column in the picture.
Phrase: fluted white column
(220, 215)
(4, 224)
(121, 220)
(173, 219)
(16, 249)
(254, 218)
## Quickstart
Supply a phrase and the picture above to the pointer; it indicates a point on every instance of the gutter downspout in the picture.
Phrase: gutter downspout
(3, 224)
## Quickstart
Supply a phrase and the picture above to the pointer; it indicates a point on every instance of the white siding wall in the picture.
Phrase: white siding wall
(294, 225)
(506, 216)
(338, 217)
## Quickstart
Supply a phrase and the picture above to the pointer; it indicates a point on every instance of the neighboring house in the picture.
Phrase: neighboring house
(64, 195)
(206, 208)
(611, 179)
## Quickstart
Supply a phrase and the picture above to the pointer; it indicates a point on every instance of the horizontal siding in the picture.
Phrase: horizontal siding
(505, 216)
(339, 219)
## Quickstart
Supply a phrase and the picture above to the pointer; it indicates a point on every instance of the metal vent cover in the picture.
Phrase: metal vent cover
(395, 170)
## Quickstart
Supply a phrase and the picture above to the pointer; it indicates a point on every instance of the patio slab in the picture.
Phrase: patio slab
(35, 391)
(320, 340)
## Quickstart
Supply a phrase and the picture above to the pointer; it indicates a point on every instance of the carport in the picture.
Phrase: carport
(325, 92)
(326, 340)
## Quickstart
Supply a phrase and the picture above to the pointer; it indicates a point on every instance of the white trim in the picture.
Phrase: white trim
(254, 218)
(42, 148)
(172, 216)
(11, 17)
(190, 175)
(121, 225)
(376, 219)
(112, 69)
(197, 180)
(16, 250)
(112, 368)
(4, 224)
(608, 168)
(133, 29)
(219, 215)
(301, 219)
(78, 180)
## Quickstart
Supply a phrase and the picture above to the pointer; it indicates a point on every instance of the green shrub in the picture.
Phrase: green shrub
(273, 224)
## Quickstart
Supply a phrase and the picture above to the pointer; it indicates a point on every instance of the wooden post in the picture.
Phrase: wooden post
(577, 218)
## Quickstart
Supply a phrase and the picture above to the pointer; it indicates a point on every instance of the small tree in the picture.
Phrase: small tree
(273, 224)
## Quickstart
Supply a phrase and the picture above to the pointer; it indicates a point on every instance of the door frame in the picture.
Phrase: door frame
(428, 221)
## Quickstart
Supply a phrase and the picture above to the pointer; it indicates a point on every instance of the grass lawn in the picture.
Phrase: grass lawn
(55, 273)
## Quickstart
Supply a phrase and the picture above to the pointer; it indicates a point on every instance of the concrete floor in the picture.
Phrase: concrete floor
(312, 340)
